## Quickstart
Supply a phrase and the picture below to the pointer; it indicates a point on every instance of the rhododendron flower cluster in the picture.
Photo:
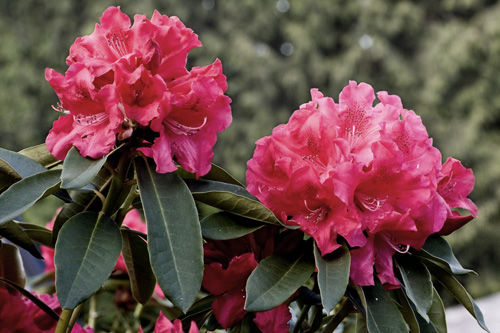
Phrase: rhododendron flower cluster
(128, 82)
(367, 174)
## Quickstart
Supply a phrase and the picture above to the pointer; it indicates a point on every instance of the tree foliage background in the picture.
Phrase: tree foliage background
(442, 58)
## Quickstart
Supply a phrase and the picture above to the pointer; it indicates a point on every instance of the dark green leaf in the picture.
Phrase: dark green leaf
(458, 291)
(418, 283)
(408, 311)
(26, 192)
(437, 313)
(18, 236)
(86, 252)
(219, 174)
(333, 275)
(437, 249)
(136, 256)
(43, 237)
(231, 198)
(223, 225)
(40, 154)
(174, 234)
(79, 171)
(23, 165)
(274, 280)
(382, 315)
(38, 302)
(82, 201)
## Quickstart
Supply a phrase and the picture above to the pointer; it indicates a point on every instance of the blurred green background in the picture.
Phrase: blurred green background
(441, 57)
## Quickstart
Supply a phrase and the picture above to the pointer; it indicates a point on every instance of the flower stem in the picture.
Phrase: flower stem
(116, 188)
(345, 308)
(63, 323)
(302, 317)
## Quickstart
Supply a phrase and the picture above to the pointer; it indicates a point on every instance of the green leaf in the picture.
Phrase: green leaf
(219, 174)
(437, 314)
(136, 256)
(26, 192)
(382, 315)
(79, 171)
(224, 225)
(274, 280)
(458, 291)
(174, 234)
(18, 236)
(418, 283)
(407, 310)
(86, 252)
(23, 165)
(437, 249)
(43, 237)
(231, 198)
(40, 154)
(11, 264)
(333, 275)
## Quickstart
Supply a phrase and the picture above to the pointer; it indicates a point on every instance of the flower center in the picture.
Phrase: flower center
(116, 44)
(316, 215)
(369, 203)
(91, 120)
(182, 129)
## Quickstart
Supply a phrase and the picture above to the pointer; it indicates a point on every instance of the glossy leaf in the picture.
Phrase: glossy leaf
(223, 225)
(26, 192)
(231, 198)
(23, 165)
(418, 283)
(18, 236)
(174, 234)
(333, 275)
(136, 256)
(79, 171)
(11, 264)
(408, 312)
(437, 313)
(40, 154)
(274, 280)
(219, 174)
(437, 248)
(43, 237)
(94, 242)
(458, 291)
(382, 315)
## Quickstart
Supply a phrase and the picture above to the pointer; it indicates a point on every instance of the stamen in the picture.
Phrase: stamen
(316, 215)
(181, 129)
(401, 248)
(372, 204)
(117, 44)
(59, 108)
(91, 119)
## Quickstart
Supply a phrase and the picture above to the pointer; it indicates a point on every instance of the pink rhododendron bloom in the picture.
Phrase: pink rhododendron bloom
(163, 325)
(230, 263)
(274, 320)
(366, 173)
(131, 79)
(20, 314)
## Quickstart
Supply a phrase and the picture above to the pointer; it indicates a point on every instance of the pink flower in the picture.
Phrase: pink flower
(124, 78)
(274, 320)
(368, 174)
(19, 314)
(231, 262)
(163, 325)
